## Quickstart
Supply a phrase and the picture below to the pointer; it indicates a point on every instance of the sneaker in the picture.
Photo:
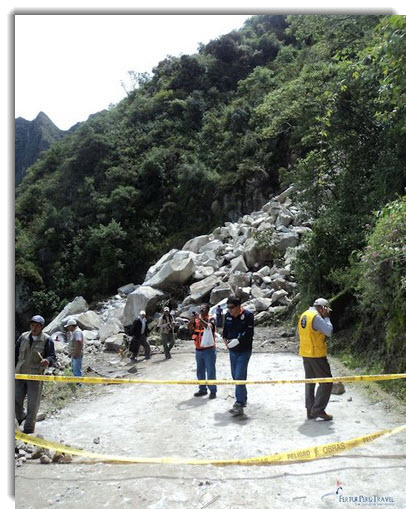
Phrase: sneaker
(199, 393)
(237, 410)
(212, 395)
(323, 415)
(169, 356)
(132, 359)
(147, 357)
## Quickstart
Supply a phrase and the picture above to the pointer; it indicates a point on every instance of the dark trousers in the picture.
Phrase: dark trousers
(239, 370)
(33, 391)
(135, 344)
(317, 367)
(206, 367)
(168, 341)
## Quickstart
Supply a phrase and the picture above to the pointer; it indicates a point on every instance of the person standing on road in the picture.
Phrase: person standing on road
(313, 327)
(74, 338)
(139, 330)
(166, 325)
(205, 355)
(34, 352)
(238, 334)
(219, 317)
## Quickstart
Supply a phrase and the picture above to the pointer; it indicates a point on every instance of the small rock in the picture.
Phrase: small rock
(338, 388)
(45, 459)
(349, 399)
(96, 440)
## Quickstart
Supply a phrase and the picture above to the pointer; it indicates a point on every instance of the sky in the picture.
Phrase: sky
(70, 66)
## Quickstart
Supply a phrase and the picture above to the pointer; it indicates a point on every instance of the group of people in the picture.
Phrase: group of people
(139, 331)
(35, 351)
(314, 327)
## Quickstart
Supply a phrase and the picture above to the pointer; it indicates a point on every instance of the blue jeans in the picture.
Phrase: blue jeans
(239, 367)
(206, 365)
(77, 366)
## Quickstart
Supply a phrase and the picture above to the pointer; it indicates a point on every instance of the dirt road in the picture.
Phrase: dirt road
(156, 421)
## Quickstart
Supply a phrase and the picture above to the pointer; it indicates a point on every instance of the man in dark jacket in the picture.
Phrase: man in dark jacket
(238, 335)
(34, 352)
(139, 331)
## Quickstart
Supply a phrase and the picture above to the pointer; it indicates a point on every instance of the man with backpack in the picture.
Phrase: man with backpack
(34, 352)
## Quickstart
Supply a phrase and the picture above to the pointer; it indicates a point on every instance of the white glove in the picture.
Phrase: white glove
(233, 342)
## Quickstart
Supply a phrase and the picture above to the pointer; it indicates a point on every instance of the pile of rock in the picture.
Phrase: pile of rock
(102, 329)
(232, 260)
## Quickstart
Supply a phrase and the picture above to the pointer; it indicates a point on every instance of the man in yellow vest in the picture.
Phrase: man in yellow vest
(314, 326)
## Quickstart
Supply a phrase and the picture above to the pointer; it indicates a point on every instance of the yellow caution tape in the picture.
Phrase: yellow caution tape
(100, 380)
(307, 454)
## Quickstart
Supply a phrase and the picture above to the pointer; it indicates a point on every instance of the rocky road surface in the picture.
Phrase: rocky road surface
(156, 421)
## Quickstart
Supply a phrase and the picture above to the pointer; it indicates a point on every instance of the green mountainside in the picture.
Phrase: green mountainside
(314, 100)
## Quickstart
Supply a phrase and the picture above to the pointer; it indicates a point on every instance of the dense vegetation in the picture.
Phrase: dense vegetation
(318, 101)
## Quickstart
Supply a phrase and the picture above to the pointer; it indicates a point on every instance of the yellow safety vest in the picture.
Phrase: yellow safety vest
(312, 342)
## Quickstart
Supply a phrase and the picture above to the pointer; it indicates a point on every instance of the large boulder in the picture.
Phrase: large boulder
(90, 335)
(281, 284)
(285, 218)
(220, 292)
(262, 304)
(115, 343)
(126, 289)
(240, 279)
(197, 243)
(165, 258)
(110, 328)
(89, 320)
(257, 292)
(256, 255)
(77, 306)
(172, 273)
(221, 233)
(214, 245)
(243, 292)
(280, 297)
(202, 288)
(282, 241)
(282, 197)
(238, 265)
(143, 298)
(203, 272)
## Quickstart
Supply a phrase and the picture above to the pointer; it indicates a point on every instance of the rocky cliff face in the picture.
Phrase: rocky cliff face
(32, 138)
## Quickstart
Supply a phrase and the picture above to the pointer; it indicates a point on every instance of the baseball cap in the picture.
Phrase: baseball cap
(71, 321)
(166, 308)
(142, 313)
(322, 302)
(37, 319)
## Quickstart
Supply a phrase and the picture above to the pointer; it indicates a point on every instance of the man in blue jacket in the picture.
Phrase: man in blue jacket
(238, 334)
